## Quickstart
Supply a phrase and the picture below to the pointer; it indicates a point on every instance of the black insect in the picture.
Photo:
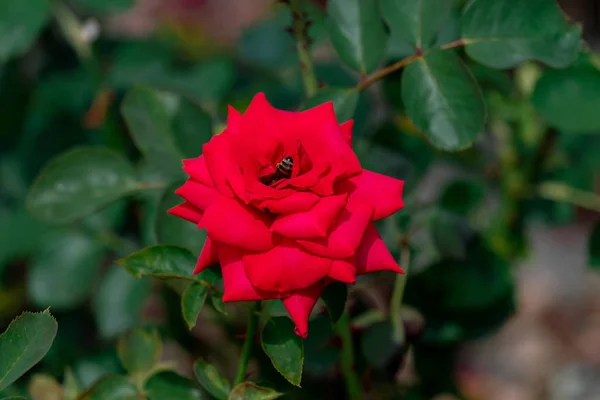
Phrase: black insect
(283, 170)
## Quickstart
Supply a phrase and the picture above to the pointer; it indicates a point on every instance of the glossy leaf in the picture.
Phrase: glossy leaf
(118, 301)
(176, 231)
(211, 380)
(76, 183)
(139, 350)
(217, 302)
(251, 391)
(504, 33)
(64, 270)
(415, 21)
(169, 385)
(149, 124)
(344, 101)
(284, 348)
(594, 248)
(24, 343)
(20, 24)
(334, 296)
(192, 301)
(443, 100)
(162, 261)
(112, 388)
(567, 99)
(357, 32)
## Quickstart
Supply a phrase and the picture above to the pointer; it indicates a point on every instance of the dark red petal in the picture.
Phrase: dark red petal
(208, 257)
(300, 305)
(222, 167)
(346, 232)
(236, 285)
(313, 223)
(232, 222)
(373, 254)
(197, 193)
(384, 192)
(196, 168)
(186, 211)
(285, 268)
(296, 202)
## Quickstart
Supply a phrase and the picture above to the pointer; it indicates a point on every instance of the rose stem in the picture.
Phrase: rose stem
(350, 376)
(399, 285)
(300, 32)
(248, 342)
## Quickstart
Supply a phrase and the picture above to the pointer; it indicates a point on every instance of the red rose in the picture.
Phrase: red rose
(287, 207)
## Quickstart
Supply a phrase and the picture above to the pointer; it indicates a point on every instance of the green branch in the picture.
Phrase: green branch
(561, 192)
(300, 32)
(248, 341)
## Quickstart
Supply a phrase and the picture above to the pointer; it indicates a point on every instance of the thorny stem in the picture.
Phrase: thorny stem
(300, 31)
(351, 378)
(248, 341)
(382, 73)
(398, 293)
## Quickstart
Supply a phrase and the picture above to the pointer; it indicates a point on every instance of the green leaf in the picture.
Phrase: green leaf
(357, 32)
(218, 304)
(211, 380)
(415, 21)
(24, 343)
(251, 391)
(265, 46)
(112, 388)
(20, 234)
(162, 261)
(334, 296)
(567, 99)
(70, 385)
(78, 182)
(284, 348)
(443, 100)
(450, 235)
(139, 350)
(118, 302)
(192, 127)
(504, 33)
(89, 370)
(105, 7)
(64, 270)
(344, 101)
(169, 385)
(594, 248)
(176, 231)
(149, 123)
(20, 24)
(192, 301)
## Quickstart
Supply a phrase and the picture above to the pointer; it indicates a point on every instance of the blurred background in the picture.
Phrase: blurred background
(539, 338)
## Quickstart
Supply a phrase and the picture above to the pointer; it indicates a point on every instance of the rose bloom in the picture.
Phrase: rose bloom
(287, 207)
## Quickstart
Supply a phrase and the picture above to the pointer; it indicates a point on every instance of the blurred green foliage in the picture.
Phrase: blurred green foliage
(92, 133)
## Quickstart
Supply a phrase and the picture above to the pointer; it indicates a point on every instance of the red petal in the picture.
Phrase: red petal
(296, 202)
(344, 270)
(208, 257)
(346, 129)
(312, 223)
(300, 305)
(346, 233)
(232, 222)
(285, 268)
(222, 166)
(234, 119)
(196, 193)
(373, 254)
(236, 285)
(384, 192)
(186, 211)
(196, 168)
